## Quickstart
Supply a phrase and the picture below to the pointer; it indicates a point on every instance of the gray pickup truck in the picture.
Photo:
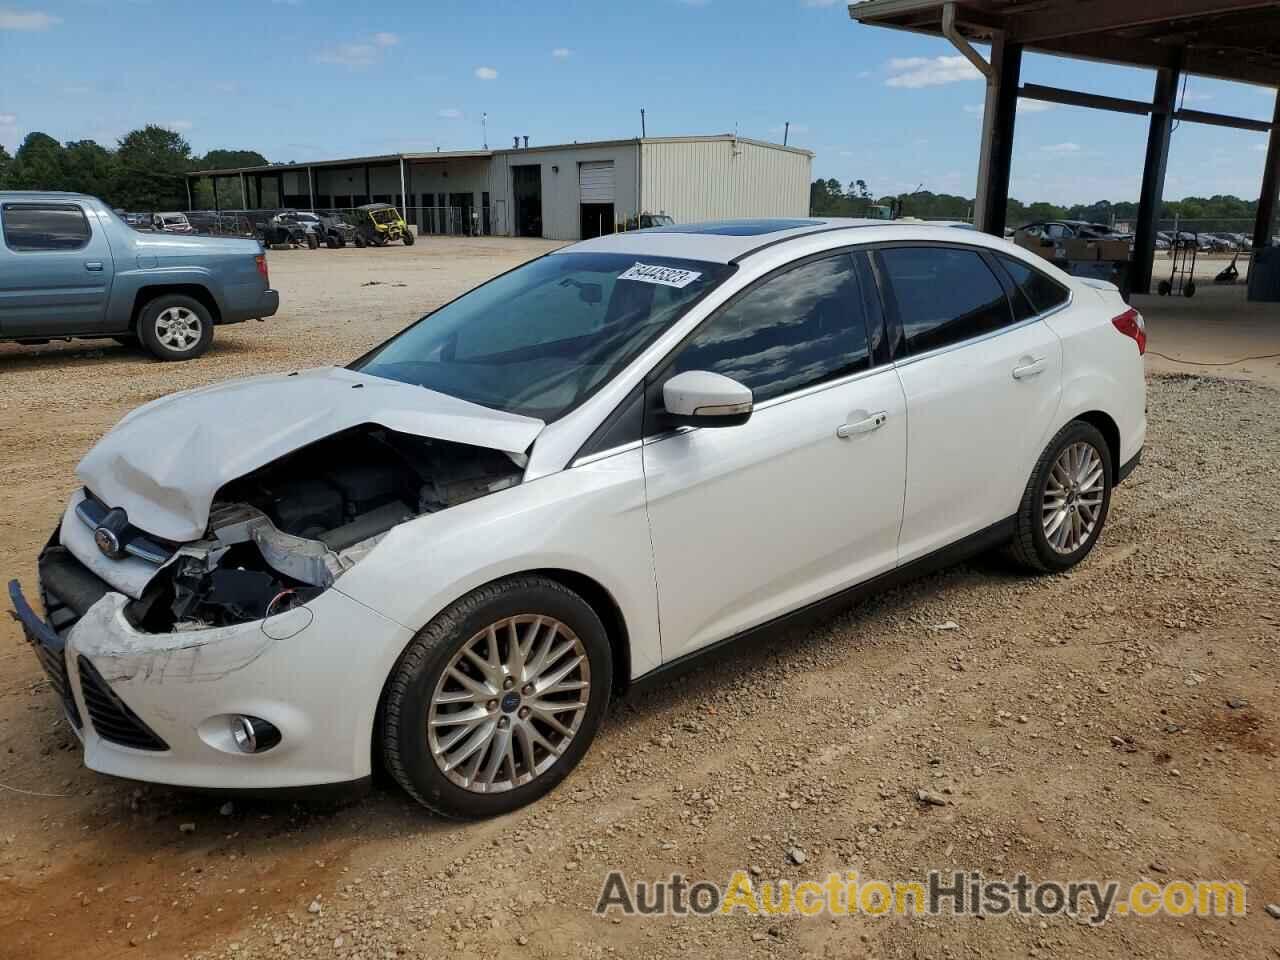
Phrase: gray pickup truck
(70, 267)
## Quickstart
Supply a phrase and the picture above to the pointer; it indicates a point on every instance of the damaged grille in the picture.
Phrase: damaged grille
(111, 716)
(54, 662)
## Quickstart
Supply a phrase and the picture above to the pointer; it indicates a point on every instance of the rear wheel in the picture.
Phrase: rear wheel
(1066, 500)
(175, 327)
(331, 242)
(408, 237)
(498, 698)
(360, 240)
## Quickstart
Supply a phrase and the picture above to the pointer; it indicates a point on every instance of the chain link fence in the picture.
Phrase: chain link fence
(458, 221)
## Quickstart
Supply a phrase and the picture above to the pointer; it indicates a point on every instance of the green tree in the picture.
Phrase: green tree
(228, 189)
(89, 168)
(6, 167)
(152, 164)
(38, 164)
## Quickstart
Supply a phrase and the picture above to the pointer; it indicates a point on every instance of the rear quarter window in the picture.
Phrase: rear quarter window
(44, 226)
(1044, 293)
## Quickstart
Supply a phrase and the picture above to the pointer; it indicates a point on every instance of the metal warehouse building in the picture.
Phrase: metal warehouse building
(566, 192)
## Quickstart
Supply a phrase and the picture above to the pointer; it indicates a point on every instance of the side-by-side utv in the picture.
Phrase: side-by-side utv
(378, 224)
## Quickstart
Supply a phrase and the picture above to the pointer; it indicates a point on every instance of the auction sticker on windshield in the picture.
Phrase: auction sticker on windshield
(667, 276)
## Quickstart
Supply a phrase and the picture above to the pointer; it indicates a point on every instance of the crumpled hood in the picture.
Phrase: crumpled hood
(164, 462)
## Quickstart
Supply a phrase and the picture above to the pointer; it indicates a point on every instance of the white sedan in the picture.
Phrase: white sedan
(449, 555)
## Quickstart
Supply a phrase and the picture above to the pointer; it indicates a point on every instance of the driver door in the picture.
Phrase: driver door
(754, 521)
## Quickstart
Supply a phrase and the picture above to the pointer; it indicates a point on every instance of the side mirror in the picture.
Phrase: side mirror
(699, 398)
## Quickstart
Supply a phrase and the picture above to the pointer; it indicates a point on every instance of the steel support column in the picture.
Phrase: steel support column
(368, 186)
(1270, 182)
(1153, 171)
(311, 190)
(244, 197)
(187, 180)
(998, 120)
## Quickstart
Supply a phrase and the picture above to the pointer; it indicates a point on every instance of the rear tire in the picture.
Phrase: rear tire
(408, 237)
(331, 242)
(174, 327)
(1065, 503)
(505, 696)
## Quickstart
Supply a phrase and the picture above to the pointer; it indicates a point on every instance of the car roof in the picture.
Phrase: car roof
(43, 195)
(713, 243)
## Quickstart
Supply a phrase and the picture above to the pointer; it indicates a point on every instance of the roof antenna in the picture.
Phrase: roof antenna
(642, 129)
(786, 132)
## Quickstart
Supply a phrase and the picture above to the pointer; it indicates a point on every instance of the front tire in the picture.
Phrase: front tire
(497, 699)
(1066, 500)
(408, 237)
(175, 327)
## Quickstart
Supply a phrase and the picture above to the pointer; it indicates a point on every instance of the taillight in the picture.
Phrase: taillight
(261, 261)
(1131, 324)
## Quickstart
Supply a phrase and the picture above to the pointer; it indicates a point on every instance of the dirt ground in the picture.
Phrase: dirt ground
(1118, 722)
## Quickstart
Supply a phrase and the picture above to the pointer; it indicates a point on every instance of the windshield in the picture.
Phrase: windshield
(175, 220)
(541, 339)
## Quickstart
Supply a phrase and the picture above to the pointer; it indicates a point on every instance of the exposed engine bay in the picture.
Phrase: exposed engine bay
(280, 535)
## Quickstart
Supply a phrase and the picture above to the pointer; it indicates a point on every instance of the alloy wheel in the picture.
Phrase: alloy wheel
(178, 328)
(1073, 497)
(509, 703)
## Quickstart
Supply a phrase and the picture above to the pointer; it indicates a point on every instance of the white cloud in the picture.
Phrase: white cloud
(27, 20)
(177, 125)
(915, 72)
(1067, 147)
(1192, 97)
(361, 54)
(561, 53)
(486, 73)
(1034, 106)
(450, 113)
(8, 119)
(863, 74)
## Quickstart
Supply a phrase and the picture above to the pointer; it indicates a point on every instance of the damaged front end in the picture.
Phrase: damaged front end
(284, 533)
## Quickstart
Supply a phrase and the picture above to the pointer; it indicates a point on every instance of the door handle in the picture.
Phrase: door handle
(1031, 369)
(873, 422)
(94, 265)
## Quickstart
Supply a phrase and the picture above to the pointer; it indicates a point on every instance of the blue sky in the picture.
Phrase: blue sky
(316, 79)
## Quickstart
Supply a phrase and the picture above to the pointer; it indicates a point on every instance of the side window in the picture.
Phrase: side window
(44, 226)
(1057, 231)
(800, 328)
(1044, 294)
(943, 295)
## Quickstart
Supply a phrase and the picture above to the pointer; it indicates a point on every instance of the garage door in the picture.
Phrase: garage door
(596, 181)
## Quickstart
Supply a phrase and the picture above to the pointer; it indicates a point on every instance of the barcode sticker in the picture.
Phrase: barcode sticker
(667, 276)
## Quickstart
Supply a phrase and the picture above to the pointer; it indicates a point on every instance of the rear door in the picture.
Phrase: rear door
(982, 377)
(55, 269)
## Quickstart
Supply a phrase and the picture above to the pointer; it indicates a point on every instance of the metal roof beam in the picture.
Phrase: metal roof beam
(1073, 98)
(1106, 16)
(1223, 120)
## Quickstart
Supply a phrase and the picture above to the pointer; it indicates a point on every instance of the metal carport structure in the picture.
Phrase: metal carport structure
(1225, 39)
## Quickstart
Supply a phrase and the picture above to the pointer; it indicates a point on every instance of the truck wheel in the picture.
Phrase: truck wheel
(331, 242)
(312, 242)
(408, 237)
(175, 327)
(359, 240)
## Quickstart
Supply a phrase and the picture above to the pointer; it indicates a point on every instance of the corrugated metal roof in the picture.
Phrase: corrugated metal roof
(444, 155)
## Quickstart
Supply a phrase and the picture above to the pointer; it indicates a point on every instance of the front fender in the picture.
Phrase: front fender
(590, 520)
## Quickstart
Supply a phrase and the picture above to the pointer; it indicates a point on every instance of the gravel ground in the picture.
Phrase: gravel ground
(1077, 727)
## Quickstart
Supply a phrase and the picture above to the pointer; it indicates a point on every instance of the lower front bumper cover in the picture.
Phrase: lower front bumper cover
(315, 672)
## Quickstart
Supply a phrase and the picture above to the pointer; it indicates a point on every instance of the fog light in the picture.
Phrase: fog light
(253, 734)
